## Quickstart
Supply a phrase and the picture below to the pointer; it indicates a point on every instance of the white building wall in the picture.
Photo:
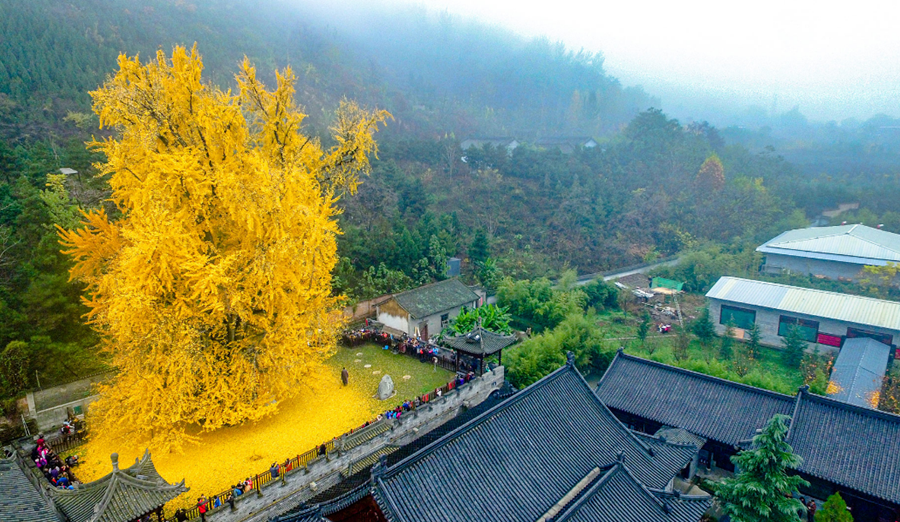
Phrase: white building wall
(768, 319)
(394, 322)
(776, 263)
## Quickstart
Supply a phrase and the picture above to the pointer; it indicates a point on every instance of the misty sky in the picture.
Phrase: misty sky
(833, 59)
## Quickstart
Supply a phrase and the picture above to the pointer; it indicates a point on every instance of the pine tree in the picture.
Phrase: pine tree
(793, 346)
(753, 341)
(479, 250)
(703, 327)
(726, 350)
(643, 328)
(834, 510)
(761, 490)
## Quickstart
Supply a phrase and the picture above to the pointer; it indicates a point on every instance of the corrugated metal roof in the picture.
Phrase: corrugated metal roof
(859, 372)
(806, 301)
(856, 241)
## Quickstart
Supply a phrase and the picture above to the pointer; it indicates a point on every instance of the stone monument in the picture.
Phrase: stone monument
(385, 388)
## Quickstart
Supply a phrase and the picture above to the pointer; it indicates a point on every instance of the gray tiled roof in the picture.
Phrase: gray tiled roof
(436, 297)
(707, 406)
(856, 447)
(619, 497)
(519, 458)
(480, 342)
(121, 496)
(19, 500)
(858, 372)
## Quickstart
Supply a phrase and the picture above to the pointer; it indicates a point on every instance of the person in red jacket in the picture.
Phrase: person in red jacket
(201, 507)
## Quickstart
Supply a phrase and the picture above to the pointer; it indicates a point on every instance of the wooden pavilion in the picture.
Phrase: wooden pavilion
(479, 343)
(125, 495)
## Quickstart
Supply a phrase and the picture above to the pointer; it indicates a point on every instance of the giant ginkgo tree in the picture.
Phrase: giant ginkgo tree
(211, 283)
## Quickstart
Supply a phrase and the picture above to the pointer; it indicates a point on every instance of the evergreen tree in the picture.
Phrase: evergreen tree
(793, 348)
(479, 249)
(643, 328)
(753, 342)
(726, 350)
(703, 327)
(761, 490)
(834, 510)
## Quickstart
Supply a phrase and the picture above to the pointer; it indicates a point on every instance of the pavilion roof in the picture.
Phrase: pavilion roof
(521, 457)
(121, 496)
(479, 342)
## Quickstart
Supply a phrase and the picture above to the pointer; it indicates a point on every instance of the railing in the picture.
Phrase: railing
(349, 440)
(65, 443)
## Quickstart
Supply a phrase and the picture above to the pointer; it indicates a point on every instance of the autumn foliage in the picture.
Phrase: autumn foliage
(211, 282)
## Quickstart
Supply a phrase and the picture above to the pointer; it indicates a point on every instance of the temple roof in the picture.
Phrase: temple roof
(19, 500)
(853, 446)
(617, 496)
(707, 406)
(479, 342)
(520, 457)
(121, 496)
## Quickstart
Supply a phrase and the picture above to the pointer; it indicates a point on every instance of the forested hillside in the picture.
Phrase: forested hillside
(437, 74)
(652, 187)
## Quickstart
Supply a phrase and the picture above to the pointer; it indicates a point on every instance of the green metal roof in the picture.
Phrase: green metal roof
(662, 282)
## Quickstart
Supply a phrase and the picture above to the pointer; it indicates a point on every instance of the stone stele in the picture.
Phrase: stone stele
(385, 388)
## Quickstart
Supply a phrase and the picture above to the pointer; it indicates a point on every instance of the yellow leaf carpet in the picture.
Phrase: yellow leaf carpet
(322, 410)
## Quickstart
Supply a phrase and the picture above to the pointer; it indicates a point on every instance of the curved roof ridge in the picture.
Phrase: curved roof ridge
(469, 426)
(704, 376)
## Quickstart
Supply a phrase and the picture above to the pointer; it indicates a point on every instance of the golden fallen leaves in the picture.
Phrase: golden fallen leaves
(322, 410)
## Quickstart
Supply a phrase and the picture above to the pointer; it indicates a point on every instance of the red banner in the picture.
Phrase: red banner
(830, 340)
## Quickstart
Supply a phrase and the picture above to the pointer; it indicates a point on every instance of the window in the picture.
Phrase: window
(881, 338)
(445, 320)
(740, 317)
(809, 330)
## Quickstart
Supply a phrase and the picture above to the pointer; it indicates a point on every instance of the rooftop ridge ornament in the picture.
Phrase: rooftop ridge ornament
(570, 359)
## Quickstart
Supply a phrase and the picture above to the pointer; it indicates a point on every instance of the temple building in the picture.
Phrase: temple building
(426, 310)
(845, 448)
(551, 452)
(124, 495)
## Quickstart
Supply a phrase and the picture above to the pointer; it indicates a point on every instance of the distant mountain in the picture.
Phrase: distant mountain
(436, 73)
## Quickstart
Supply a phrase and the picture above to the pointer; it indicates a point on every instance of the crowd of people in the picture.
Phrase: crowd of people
(426, 350)
(57, 471)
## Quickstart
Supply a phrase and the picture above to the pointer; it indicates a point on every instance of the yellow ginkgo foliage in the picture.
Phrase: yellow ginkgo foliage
(211, 288)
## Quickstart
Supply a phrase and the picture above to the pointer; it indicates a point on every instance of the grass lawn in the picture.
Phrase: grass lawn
(767, 371)
(368, 363)
(322, 409)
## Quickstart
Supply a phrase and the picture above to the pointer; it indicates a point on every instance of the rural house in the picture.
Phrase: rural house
(824, 318)
(830, 252)
(425, 311)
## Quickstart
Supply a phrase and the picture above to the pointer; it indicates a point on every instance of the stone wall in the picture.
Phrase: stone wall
(49, 407)
(324, 472)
